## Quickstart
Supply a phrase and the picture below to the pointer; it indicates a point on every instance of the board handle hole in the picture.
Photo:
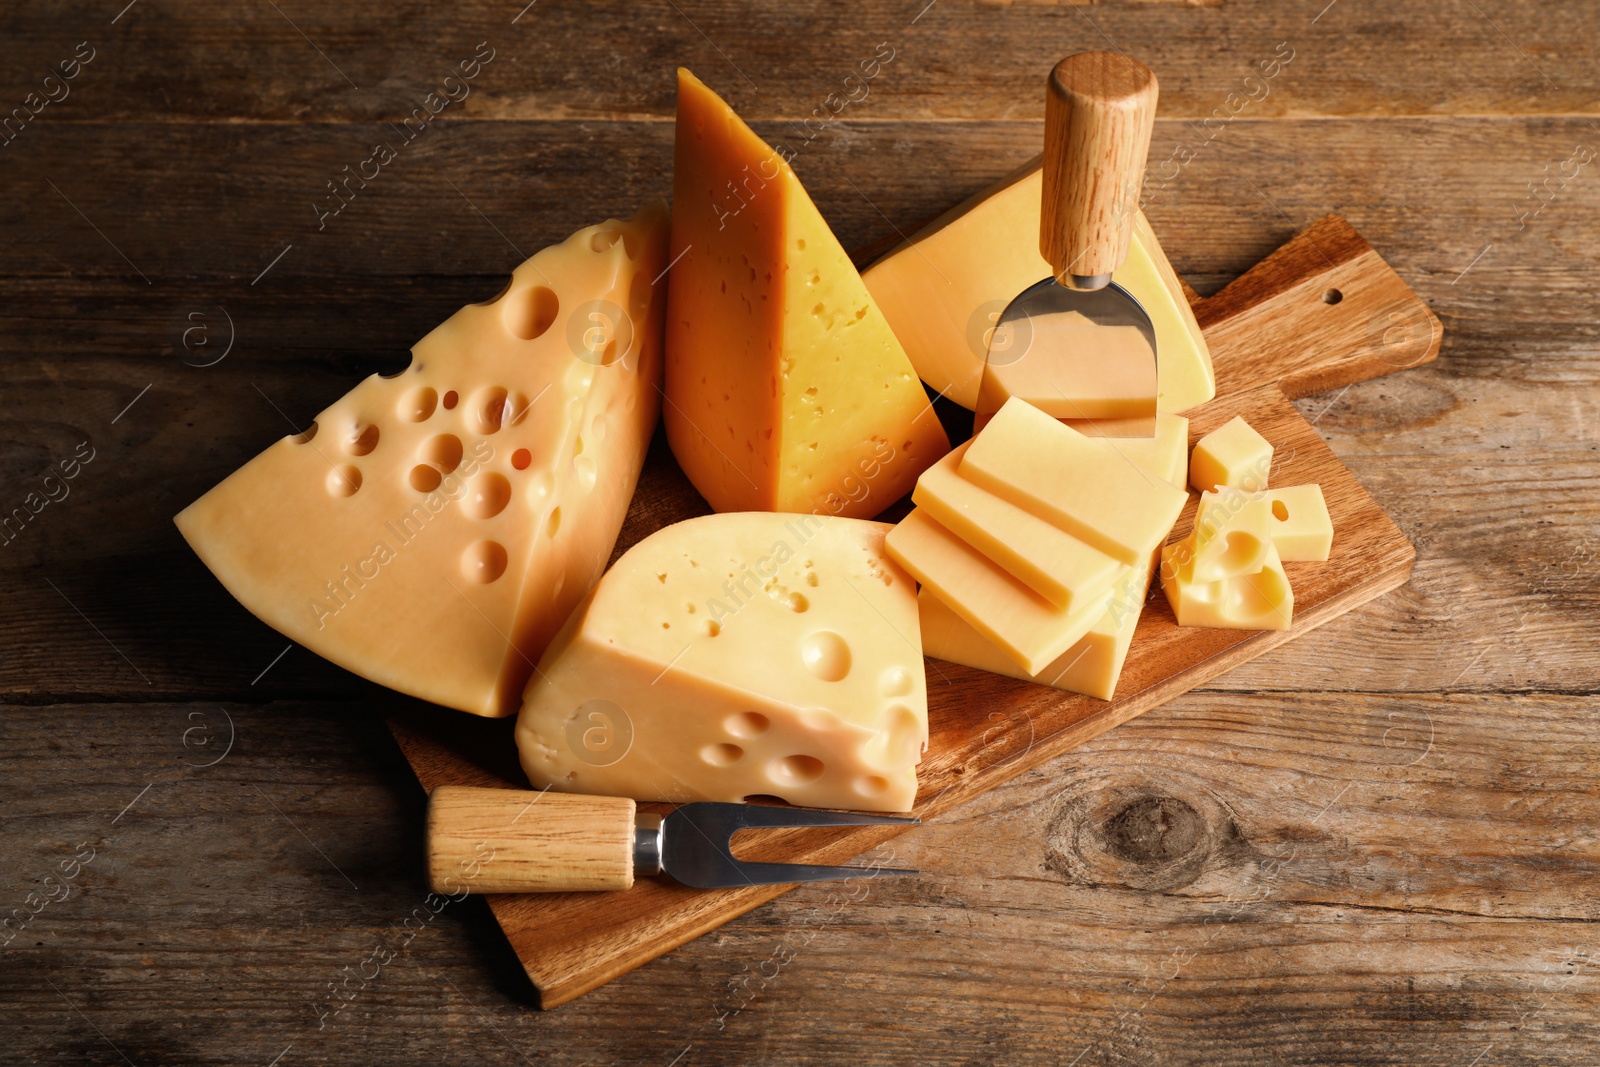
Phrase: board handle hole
(1332, 296)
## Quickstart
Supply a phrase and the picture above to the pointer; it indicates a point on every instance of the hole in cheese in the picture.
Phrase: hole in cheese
(554, 522)
(528, 314)
(520, 459)
(1241, 549)
(423, 478)
(362, 440)
(488, 495)
(344, 481)
(495, 299)
(443, 451)
(489, 410)
(826, 655)
(418, 404)
(871, 785)
(602, 240)
(450, 399)
(1280, 512)
(796, 770)
(305, 436)
(721, 755)
(483, 562)
(747, 724)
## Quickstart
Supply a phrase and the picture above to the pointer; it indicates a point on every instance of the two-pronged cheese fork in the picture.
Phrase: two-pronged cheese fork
(510, 841)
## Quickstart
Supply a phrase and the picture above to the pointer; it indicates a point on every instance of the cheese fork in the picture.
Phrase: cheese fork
(513, 841)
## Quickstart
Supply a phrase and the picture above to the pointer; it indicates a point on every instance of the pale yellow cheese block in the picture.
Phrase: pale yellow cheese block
(944, 289)
(433, 530)
(786, 390)
(1233, 454)
(738, 655)
(1020, 622)
(1091, 666)
(1259, 601)
(1070, 480)
(1301, 527)
(1045, 558)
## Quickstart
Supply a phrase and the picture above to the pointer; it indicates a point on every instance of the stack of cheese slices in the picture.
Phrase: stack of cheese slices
(445, 532)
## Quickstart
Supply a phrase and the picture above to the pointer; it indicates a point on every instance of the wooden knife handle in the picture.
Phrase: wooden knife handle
(514, 841)
(1099, 111)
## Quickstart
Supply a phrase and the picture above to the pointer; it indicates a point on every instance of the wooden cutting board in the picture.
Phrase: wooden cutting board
(1321, 312)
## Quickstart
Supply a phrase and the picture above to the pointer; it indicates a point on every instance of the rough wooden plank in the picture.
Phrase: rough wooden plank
(301, 62)
(1231, 879)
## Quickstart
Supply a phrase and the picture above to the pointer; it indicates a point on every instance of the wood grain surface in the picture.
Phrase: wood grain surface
(1373, 845)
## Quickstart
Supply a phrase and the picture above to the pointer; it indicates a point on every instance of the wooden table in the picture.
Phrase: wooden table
(1377, 844)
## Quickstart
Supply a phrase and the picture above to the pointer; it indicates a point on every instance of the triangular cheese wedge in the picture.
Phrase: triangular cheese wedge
(433, 530)
(786, 389)
(738, 655)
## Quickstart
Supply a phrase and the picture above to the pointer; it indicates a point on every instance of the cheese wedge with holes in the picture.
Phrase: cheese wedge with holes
(786, 390)
(944, 289)
(1070, 480)
(433, 530)
(737, 655)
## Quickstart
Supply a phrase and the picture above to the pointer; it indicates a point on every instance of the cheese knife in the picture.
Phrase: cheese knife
(1077, 345)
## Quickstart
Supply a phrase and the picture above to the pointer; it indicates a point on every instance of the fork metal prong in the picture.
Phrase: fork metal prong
(696, 844)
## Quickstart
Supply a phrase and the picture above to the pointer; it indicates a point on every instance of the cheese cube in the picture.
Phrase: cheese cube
(1091, 666)
(1231, 536)
(1301, 527)
(1060, 475)
(943, 291)
(1027, 627)
(786, 390)
(1048, 560)
(431, 531)
(737, 655)
(1259, 601)
(1234, 455)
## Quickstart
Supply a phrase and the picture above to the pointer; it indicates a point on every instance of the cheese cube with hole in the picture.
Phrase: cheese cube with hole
(432, 530)
(1023, 624)
(785, 388)
(1259, 601)
(1301, 527)
(1058, 474)
(1043, 557)
(1092, 666)
(1232, 533)
(737, 655)
(943, 291)
(1234, 454)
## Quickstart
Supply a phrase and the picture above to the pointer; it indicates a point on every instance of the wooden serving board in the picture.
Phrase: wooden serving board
(1321, 312)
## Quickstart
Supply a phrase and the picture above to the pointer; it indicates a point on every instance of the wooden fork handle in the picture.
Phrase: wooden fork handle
(515, 841)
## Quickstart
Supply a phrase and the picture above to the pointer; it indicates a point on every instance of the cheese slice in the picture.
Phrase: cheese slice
(1045, 558)
(785, 388)
(1092, 666)
(1023, 624)
(1233, 454)
(1053, 471)
(736, 655)
(431, 531)
(1300, 525)
(1259, 601)
(1073, 368)
(944, 289)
